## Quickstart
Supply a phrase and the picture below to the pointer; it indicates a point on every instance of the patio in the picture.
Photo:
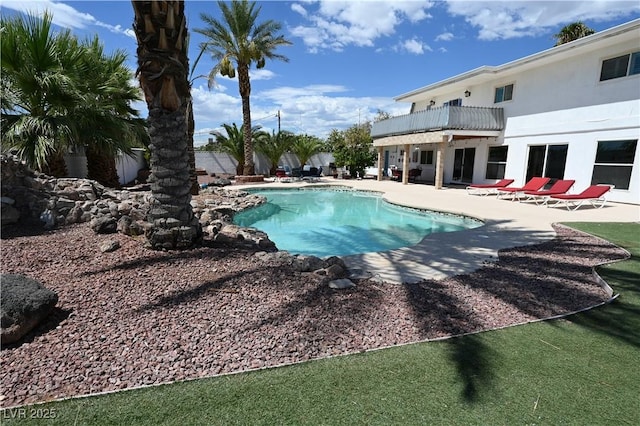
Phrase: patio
(508, 224)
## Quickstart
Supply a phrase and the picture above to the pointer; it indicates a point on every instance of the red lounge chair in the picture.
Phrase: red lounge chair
(534, 184)
(281, 176)
(595, 194)
(561, 186)
(488, 188)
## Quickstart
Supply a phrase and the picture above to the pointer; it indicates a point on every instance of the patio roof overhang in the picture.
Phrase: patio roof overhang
(434, 137)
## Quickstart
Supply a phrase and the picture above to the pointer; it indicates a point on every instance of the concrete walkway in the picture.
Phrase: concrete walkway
(507, 224)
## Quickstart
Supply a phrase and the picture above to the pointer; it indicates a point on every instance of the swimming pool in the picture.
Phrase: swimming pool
(329, 222)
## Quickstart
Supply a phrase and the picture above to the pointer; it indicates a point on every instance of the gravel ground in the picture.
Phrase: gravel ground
(138, 317)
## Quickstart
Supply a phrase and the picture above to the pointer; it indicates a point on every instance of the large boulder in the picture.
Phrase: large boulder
(24, 304)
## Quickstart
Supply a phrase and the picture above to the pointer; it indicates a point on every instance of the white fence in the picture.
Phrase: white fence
(213, 162)
(126, 166)
(220, 164)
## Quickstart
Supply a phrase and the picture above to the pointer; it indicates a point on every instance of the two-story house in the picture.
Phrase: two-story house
(572, 112)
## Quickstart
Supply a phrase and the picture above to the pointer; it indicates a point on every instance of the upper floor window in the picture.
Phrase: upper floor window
(620, 66)
(454, 102)
(504, 93)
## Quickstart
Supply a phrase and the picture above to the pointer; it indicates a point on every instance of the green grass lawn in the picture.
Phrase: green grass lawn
(581, 370)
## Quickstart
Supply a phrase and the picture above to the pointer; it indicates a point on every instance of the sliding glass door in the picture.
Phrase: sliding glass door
(463, 160)
(547, 160)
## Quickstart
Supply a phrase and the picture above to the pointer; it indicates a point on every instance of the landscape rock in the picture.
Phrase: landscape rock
(308, 263)
(109, 246)
(104, 225)
(24, 304)
(341, 284)
(9, 214)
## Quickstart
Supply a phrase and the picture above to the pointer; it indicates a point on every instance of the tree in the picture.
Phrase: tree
(163, 65)
(353, 148)
(108, 123)
(381, 115)
(236, 43)
(305, 146)
(273, 146)
(58, 93)
(572, 32)
(233, 143)
(38, 91)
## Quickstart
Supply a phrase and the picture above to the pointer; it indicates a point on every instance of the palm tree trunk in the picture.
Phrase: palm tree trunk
(195, 188)
(163, 68)
(101, 167)
(245, 92)
(55, 165)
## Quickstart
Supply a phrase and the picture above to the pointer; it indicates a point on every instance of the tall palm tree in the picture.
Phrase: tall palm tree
(38, 91)
(572, 32)
(163, 67)
(273, 146)
(236, 43)
(233, 143)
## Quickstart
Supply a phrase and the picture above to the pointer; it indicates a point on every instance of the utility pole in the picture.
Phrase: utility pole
(278, 115)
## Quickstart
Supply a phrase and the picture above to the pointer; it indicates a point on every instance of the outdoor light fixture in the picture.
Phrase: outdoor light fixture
(432, 103)
(467, 93)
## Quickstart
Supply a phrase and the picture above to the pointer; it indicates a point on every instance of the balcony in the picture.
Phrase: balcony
(441, 118)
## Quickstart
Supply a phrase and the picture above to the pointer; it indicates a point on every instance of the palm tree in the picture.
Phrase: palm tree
(305, 147)
(58, 93)
(38, 91)
(108, 123)
(163, 67)
(572, 32)
(233, 143)
(273, 146)
(236, 43)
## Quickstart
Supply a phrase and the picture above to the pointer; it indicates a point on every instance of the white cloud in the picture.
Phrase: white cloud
(261, 74)
(504, 20)
(444, 37)
(335, 25)
(414, 46)
(313, 109)
(298, 8)
(64, 15)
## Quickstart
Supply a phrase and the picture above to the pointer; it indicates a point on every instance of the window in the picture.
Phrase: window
(426, 157)
(614, 163)
(414, 155)
(504, 93)
(497, 162)
(620, 66)
(548, 161)
(454, 102)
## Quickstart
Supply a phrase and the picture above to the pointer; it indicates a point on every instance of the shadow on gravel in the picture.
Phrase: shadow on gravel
(191, 294)
(28, 229)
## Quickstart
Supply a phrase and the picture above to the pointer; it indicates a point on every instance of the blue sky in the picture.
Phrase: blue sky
(348, 58)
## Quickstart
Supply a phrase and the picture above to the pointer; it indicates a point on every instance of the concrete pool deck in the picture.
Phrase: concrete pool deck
(507, 224)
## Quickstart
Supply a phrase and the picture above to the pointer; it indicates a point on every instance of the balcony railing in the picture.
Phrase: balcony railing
(441, 118)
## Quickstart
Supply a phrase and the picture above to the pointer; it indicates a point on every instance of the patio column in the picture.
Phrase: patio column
(405, 164)
(440, 162)
(380, 163)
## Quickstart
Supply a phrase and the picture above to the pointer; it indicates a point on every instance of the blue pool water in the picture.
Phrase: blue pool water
(325, 222)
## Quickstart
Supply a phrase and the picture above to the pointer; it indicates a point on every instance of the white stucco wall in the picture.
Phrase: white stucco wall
(557, 99)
